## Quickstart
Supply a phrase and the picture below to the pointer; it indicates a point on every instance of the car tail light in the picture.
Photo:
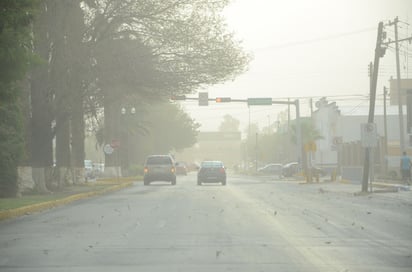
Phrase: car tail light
(146, 170)
(172, 170)
(222, 170)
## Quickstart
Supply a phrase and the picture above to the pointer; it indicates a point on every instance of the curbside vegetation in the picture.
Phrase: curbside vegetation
(116, 184)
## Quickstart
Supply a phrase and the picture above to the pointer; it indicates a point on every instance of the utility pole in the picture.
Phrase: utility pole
(398, 81)
(379, 52)
(398, 85)
(385, 128)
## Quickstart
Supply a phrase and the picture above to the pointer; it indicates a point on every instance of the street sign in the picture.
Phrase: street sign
(310, 146)
(369, 135)
(259, 101)
(108, 149)
(115, 144)
(203, 99)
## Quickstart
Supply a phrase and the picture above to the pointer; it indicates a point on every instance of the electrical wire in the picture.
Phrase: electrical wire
(311, 41)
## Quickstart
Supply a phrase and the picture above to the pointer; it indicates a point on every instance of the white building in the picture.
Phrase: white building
(340, 125)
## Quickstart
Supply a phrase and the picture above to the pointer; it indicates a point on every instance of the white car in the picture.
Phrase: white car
(271, 169)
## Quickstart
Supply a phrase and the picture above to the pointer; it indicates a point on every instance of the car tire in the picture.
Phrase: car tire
(199, 183)
(224, 183)
(174, 181)
(146, 182)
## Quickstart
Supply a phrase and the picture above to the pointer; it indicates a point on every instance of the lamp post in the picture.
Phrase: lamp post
(126, 113)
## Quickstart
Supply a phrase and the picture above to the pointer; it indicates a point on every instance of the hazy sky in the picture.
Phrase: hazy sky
(306, 48)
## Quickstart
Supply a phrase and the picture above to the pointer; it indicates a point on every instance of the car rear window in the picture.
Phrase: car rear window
(212, 164)
(159, 160)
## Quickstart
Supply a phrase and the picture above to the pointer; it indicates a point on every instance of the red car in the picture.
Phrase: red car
(181, 168)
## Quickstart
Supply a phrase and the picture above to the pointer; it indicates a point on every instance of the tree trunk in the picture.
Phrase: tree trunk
(41, 129)
(25, 176)
(76, 62)
(78, 137)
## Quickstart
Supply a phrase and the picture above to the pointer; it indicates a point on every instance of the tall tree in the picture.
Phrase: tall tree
(15, 56)
(68, 62)
(308, 130)
(186, 41)
(170, 119)
(229, 124)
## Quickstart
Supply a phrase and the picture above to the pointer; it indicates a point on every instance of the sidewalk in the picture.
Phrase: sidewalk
(388, 184)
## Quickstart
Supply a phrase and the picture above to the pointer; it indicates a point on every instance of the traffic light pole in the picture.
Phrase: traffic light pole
(259, 101)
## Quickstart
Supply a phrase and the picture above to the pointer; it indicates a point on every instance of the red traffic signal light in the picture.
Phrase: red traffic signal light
(178, 97)
(223, 99)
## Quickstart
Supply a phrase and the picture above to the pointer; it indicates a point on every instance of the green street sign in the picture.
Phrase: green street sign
(259, 101)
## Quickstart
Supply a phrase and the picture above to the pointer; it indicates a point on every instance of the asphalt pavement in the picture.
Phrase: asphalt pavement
(252, 224)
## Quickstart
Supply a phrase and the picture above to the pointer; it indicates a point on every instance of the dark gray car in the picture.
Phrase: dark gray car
(211, 171)
(159, 168)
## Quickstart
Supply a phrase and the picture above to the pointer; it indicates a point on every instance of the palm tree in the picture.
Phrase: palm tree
(309, 135)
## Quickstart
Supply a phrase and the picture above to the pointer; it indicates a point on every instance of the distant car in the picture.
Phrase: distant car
(181, 168)
(271, 169)
(290, 169)
(159, 168)
(192, 167)
(211, 171)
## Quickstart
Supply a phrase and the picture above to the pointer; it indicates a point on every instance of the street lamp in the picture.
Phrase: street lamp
(124, 110)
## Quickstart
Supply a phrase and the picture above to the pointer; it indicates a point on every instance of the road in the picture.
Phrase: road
(252, 224)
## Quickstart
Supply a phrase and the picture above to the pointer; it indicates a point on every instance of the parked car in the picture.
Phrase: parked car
(159, 168)
(88, 169)
(181, 168)
(211, 171)
(290, 169)
(271, 169)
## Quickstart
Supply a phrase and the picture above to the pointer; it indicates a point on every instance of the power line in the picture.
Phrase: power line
(320, 39)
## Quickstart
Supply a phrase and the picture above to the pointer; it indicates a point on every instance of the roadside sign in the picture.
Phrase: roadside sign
(115, 143)
(108, 149)
(369, 135)
(310, 146)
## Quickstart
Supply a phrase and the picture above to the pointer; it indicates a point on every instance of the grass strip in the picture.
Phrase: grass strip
(13, 207)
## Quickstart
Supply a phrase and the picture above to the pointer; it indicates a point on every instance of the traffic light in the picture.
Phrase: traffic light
(223, 99)
(203, 99)
(382, 51)
(178, 97)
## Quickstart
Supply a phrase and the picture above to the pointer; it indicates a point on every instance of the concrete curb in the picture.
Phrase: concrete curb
(7, 214)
